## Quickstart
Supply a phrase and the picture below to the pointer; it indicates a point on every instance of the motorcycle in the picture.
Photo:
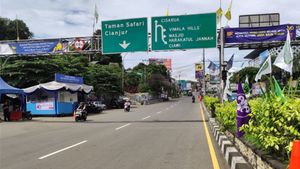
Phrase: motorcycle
(80, 114)
(26, 115)
(126, 106)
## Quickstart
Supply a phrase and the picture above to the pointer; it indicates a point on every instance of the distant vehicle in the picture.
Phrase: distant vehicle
(117, 103)
(232, 97)
(190, 93)
(99, 104)
(91, 108)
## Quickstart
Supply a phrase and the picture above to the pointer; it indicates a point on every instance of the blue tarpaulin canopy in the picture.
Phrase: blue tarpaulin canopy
(7, 89)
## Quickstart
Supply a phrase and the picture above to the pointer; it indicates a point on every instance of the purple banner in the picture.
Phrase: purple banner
(199, 74)
(243, 110)
(259, 34)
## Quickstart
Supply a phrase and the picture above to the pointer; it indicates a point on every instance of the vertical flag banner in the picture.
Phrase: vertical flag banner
(226, 90)
(243, 110)
(230, 63)
(228, 13)
(285, 58)
(246, 85)
(266, 68)
(214, 72)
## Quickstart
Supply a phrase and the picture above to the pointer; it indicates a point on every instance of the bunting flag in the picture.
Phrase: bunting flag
(219, 15)
(228, 12)
(230, 63)
(285, 58)
(243, 110)
(266, 68)
(278, 91)
(96, 14)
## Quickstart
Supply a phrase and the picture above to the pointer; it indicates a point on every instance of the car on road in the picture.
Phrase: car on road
(99, 104)
(92, 109)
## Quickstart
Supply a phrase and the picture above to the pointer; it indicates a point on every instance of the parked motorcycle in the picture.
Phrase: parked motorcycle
(80, 113)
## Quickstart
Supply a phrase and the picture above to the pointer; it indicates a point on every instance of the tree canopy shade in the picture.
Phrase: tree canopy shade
(8, 29)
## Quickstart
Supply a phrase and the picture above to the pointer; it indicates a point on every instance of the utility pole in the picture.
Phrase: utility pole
(17, 28)
(203, 78)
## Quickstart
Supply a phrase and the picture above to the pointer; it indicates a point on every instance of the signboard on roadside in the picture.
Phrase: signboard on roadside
(127, 35)
(199, 73)
(184, 32)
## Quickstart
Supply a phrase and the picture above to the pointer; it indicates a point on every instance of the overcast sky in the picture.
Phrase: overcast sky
(71, 18)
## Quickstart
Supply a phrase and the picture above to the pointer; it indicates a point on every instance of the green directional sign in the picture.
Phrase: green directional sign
(124, 35)
(184, 32)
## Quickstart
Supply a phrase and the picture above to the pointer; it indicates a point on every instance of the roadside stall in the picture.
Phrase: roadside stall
(59, 97)
(14, 97)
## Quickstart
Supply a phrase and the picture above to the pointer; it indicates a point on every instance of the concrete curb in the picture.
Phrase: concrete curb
(233, 157)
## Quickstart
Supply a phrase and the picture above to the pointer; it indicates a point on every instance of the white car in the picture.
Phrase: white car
(99, 104)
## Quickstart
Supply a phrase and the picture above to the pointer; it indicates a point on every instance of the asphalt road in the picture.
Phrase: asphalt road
(168, 135)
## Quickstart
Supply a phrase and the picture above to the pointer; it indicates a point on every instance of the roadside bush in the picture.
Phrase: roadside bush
(226, 115)
(210, 102)
(274, 124)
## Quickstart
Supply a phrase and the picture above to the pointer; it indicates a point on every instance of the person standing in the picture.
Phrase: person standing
(6, 111)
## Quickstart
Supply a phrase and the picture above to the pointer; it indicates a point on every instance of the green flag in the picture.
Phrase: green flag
(278, 91)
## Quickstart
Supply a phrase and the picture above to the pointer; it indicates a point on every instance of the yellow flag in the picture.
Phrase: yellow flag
(219, 14)
(167, 12)
(228, 13)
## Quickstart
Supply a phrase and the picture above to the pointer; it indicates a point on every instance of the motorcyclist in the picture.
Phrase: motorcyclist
(127, 105)
(193, 98)
(81, 113)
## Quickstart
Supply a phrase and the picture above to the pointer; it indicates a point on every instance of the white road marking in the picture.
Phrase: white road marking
(48, 155)
(158, 112)
(146, 117)
(123, 126)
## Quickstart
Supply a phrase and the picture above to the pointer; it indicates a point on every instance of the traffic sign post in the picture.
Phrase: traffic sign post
(127, 35)
(184, 32)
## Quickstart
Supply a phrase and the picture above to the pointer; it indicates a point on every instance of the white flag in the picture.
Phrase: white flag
(266, 68)
(96, 15)
(285, 58)
(226, 90)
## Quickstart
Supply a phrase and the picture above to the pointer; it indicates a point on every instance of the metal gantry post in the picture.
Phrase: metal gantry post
(221, 55)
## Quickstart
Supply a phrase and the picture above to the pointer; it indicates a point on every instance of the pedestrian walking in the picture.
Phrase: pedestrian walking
(6, 111)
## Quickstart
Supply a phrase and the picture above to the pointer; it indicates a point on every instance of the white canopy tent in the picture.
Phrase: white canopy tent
(55, 86)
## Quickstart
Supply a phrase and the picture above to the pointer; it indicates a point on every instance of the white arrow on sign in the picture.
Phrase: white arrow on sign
(124, 45)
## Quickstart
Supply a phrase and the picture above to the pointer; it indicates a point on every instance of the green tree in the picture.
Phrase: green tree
(8, 29)
(29, 71)
(106, 79)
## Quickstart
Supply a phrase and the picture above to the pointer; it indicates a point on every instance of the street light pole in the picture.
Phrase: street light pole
(203, 78)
